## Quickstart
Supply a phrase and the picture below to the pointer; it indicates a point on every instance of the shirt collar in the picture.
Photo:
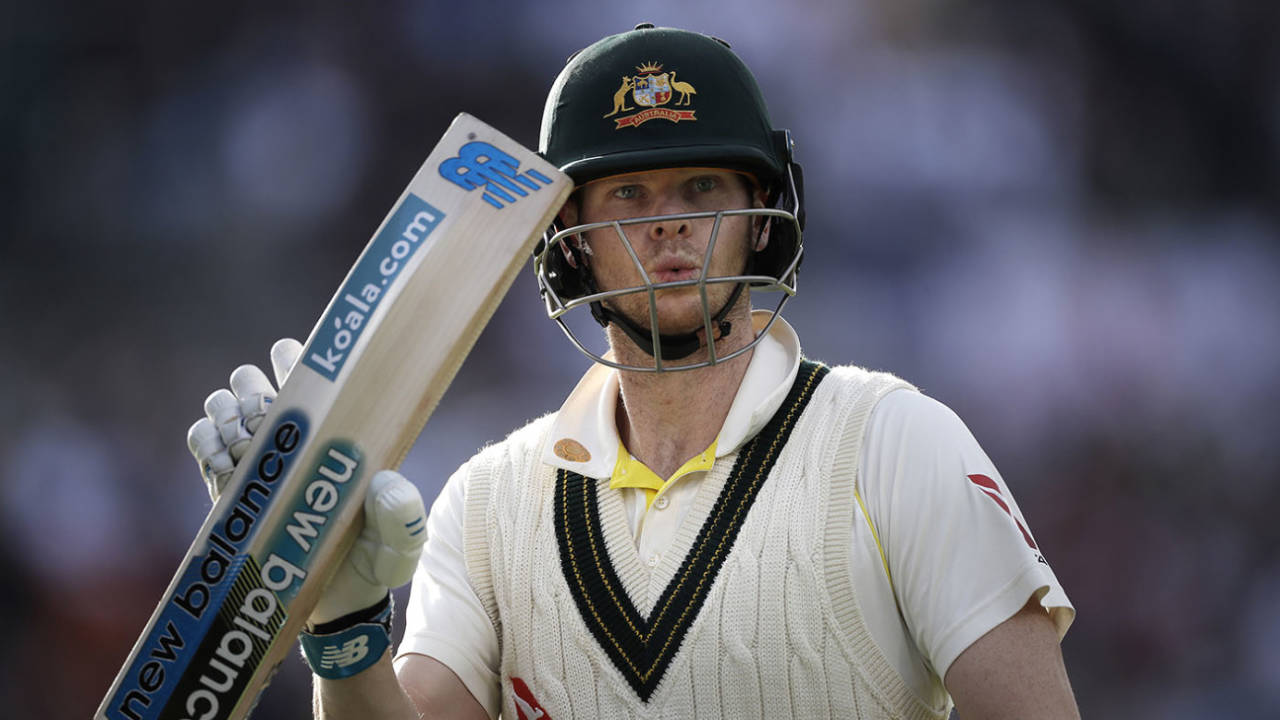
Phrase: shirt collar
(584, 434)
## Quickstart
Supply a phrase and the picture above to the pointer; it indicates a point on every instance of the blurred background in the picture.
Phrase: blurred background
(1060, 218)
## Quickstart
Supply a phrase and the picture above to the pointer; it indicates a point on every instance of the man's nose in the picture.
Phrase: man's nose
(671, 228)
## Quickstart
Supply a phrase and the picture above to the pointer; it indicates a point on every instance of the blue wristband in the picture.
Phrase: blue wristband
(350, 644)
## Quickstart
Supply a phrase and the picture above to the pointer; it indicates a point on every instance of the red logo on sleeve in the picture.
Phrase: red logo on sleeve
(527, 707)
(992, 490)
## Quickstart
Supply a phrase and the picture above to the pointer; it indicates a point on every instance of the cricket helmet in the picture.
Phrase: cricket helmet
(655, 98)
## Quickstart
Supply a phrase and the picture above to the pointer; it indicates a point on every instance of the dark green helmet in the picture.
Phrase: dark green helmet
(659, 97)
(655, 98)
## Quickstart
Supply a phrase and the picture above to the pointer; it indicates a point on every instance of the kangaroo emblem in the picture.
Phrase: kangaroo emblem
(620, 97)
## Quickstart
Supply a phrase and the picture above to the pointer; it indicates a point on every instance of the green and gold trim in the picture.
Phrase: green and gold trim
(642, 648)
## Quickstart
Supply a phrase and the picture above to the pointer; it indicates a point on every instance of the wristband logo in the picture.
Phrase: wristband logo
(482, 166)
(349, 651)
(345, 655)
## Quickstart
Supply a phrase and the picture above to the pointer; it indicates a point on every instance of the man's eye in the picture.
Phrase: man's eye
(626, 192)
(704, 184)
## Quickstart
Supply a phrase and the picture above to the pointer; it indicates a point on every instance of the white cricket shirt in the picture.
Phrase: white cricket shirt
(941, 552)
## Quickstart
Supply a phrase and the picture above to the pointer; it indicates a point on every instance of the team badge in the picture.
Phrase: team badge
(571, 450)
(650, 89)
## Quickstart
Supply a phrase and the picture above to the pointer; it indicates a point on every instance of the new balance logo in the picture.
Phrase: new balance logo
(480, 165)
(346, 654)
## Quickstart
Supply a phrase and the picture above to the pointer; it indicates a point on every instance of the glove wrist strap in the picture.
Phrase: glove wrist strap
(351, 644)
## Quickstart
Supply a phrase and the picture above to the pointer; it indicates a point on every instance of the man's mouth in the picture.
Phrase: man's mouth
(674, 271)
(667, 276)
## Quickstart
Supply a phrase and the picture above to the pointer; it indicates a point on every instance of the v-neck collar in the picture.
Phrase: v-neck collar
(604, 573)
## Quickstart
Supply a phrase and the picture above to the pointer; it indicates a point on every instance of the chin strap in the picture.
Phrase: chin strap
(674, 347)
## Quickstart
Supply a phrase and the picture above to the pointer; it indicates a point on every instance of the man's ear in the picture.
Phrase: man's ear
(566, 218)
(568, 215)
(761, 223)
(762, 236)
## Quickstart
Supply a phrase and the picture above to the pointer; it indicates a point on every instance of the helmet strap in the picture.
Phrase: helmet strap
(674, 347)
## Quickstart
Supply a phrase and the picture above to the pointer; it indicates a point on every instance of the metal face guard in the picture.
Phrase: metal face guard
(557, 306)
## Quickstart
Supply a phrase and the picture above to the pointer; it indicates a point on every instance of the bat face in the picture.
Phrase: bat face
(373, 369)
(405, 234)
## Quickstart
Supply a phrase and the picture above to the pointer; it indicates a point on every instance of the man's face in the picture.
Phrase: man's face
(669, 250)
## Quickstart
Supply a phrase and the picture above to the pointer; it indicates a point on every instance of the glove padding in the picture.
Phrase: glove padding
(386, 552)
(384, 555)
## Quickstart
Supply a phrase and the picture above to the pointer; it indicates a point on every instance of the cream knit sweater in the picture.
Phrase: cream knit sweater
(752, 616)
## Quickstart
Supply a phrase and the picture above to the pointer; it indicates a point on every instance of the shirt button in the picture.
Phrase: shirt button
(661, 503)
(654, 560)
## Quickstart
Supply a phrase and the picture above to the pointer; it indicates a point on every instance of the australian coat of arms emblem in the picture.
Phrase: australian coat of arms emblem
(650, 89)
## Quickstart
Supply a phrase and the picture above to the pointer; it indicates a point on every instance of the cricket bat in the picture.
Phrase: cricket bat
(372, 370)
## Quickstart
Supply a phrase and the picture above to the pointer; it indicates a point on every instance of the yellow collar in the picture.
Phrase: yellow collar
(630, 472)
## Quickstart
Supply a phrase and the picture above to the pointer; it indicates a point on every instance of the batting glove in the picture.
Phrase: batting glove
(386, 552)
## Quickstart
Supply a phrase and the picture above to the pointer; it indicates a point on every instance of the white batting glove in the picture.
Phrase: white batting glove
(219, 439)
(386, 552)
